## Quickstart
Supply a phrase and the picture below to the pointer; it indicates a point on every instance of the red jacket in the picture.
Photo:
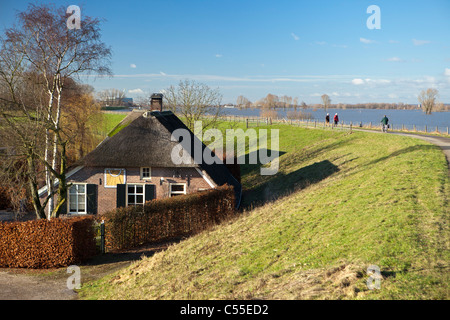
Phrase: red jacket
(336, 118)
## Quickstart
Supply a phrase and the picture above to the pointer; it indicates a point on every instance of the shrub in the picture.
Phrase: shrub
(46, 244)
(168, 218)
(299, 115)
(268, 113)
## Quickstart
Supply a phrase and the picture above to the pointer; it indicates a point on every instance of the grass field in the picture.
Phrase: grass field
(339, 203)
(111, 120)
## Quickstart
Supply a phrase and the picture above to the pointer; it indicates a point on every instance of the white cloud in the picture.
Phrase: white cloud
(206, 77)
(133, 66)
(218, 55)
(393, 41)
(296, 38)
(447, 72)
(357, 81)
(339, 45)
(420, 42)
(366, 41)
(320, 43)
(393, 96)
(370, 81)
(136, 91)
(395, 59)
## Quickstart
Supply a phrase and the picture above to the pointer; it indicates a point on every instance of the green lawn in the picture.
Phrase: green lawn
(111, 120)
(339, 203)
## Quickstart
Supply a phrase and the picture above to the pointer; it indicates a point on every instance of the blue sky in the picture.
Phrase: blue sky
(297, 48)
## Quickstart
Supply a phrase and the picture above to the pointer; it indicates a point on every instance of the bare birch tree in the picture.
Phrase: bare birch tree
(194, 101)
(427, 99)
(42, 43)
(326, 101)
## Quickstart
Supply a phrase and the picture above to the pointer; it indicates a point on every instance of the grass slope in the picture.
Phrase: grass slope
(339, 203)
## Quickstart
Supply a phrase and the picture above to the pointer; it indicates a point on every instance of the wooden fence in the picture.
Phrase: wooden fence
(342, 125)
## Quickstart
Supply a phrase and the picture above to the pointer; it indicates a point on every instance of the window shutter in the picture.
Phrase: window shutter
(91, 197)
(150, 192)
(121, 195)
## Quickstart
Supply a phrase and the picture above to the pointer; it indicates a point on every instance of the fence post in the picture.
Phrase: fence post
(246, 122)
(437, 129)
(351, 125)
(426, 130)
(414, 128)
(102, 236)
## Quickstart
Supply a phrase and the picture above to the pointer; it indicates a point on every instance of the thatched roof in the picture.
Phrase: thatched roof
(146, 142)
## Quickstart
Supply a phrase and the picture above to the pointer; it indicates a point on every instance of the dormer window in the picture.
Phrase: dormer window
(146, 173)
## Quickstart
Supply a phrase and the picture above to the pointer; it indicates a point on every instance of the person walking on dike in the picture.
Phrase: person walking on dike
(384, 123)
(327, 119)
(336, 119)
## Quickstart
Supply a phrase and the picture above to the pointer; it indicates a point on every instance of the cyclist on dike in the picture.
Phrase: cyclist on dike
(384, 123)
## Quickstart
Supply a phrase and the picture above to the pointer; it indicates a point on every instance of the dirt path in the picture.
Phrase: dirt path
(29, 287)
(24, 284)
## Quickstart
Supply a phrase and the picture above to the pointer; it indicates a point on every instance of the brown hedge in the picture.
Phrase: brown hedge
(46, 244)
(169, 218)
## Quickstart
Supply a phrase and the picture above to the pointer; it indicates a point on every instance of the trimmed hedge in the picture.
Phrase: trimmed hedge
(168, 218)
(46, 244)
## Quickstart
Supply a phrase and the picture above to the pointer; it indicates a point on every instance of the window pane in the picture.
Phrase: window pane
(131, 199)
(81, 207)
(178, 188)
(139, 189)
(80, 188)
(72, 206)
(139, 199)
(81, 198)
(73, 189)
(131, 188)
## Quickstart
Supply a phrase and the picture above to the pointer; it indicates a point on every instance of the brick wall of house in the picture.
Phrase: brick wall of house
(107, 196)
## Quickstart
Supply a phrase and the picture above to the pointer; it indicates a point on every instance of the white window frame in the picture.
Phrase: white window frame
(77, 194)
(124, 177)
(177, 192)
(143, 193)
(149, 173)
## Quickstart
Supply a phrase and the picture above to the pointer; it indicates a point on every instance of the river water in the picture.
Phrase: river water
(408, 118)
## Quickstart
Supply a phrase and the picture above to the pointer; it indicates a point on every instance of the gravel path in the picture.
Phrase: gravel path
(26, 284)
(28, 287)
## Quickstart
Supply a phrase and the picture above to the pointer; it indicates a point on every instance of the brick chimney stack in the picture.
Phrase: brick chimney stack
(156, 102)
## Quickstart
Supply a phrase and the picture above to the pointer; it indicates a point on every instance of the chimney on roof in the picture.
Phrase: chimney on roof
(156, 102)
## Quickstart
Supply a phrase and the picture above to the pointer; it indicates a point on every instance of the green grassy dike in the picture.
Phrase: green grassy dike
(339, 203)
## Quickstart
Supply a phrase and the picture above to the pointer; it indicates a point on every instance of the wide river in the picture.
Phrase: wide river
(408, 118)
